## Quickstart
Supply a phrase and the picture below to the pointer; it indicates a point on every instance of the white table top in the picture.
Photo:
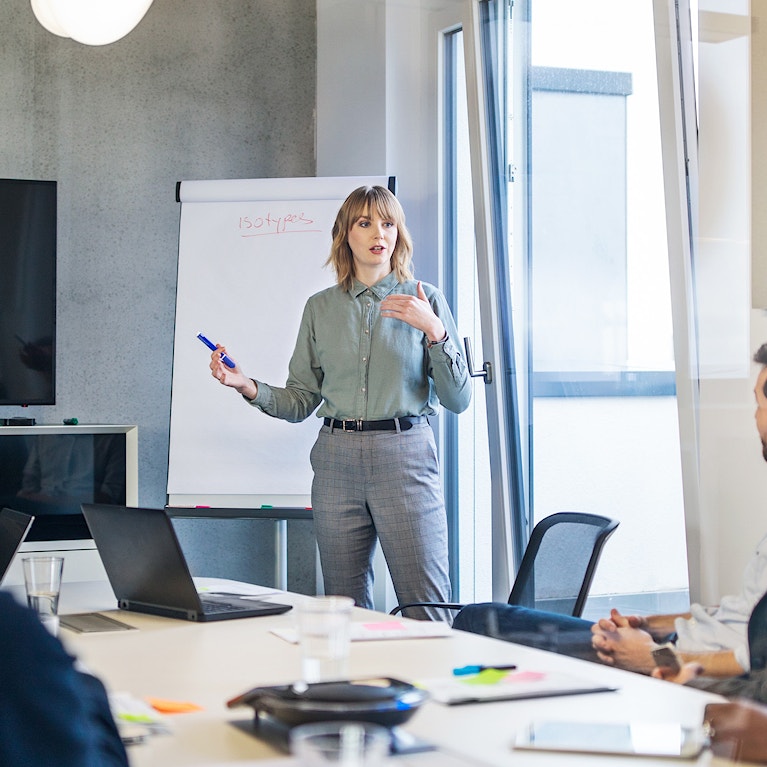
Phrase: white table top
(207, 664)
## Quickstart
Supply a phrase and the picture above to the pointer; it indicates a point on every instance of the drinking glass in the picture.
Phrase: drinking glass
(42, 580)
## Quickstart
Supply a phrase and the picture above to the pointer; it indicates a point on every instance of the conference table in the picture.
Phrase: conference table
(207, 664)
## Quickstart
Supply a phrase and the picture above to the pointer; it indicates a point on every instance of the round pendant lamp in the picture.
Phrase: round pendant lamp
(90, 22)
(46, 17)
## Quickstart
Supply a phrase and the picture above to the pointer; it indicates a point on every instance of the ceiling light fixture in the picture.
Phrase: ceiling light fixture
(91, 22)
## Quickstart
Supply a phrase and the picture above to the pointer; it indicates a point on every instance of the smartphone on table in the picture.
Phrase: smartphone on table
(666, 656)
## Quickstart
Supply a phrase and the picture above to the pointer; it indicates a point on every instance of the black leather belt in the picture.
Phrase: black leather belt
(353, 424)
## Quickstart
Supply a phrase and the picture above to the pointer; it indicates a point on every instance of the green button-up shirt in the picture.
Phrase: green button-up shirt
(364, 366)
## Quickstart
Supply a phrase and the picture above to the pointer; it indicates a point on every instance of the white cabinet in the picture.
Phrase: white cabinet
(81, 560)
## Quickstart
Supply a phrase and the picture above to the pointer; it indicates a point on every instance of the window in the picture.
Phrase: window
(592, 420)
(469, 511)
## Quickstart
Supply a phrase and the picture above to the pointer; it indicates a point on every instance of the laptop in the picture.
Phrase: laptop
(149, 573)
(14, 525)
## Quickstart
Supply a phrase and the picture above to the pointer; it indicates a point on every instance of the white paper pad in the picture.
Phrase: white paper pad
(127, 708)
(513, 685)
(225, 586)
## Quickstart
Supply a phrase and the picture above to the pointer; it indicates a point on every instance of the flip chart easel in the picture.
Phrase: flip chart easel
(251, 252)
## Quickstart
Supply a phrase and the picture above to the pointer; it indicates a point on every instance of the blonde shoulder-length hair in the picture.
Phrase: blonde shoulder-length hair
(362, 202)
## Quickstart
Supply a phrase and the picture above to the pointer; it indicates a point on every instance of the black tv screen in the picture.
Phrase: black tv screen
(50, 475)
(27, 292)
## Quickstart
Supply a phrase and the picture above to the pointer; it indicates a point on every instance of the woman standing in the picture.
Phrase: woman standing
(378, 351)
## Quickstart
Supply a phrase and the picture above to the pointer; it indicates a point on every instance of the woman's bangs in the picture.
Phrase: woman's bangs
(385, 206)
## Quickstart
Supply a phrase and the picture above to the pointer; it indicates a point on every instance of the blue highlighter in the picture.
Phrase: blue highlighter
(228, 361)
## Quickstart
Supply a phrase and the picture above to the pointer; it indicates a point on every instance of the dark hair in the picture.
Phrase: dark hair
(761, 358)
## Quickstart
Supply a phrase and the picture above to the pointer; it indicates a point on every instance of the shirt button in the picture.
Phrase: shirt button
(363, 388)
(364, 359)
(367, 331)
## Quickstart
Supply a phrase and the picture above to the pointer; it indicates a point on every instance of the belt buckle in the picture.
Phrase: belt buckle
(357, 424)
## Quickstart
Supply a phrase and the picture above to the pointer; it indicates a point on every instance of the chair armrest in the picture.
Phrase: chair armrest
(442, 605)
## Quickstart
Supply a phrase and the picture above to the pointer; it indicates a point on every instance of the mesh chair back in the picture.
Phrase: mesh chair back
(560, 561)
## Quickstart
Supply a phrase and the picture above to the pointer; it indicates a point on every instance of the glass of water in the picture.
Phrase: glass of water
(344, 744)
(324, 631)
(42, 580)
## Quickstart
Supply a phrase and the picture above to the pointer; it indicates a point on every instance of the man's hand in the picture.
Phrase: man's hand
(657, 626)
(618, 621)
(686, 673)
(621, 645)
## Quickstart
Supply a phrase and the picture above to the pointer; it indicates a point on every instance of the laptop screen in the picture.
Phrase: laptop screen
(141, 555)
(13, 528)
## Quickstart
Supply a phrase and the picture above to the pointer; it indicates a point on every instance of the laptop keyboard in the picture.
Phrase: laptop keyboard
(209, 607)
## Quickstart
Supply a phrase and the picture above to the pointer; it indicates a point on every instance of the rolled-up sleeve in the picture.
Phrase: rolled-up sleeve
(448, 368)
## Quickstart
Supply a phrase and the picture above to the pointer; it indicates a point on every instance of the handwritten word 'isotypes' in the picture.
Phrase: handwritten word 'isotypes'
(292, 223)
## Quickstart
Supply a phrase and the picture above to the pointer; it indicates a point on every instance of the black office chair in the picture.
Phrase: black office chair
(757, 635)
(558, 565)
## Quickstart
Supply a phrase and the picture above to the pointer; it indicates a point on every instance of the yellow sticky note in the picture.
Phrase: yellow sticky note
(487, 676)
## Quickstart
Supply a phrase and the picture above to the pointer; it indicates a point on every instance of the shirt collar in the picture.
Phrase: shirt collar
(380, 290)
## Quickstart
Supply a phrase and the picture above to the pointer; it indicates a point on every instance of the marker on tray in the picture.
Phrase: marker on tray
(228, 361)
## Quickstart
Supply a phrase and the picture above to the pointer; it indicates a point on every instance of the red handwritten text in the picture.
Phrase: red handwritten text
(291, 223)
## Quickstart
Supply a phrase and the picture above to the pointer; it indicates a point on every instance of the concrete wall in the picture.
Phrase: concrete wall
(198, 90)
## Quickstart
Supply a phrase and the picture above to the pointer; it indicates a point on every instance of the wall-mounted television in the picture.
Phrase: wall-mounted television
(27, 292)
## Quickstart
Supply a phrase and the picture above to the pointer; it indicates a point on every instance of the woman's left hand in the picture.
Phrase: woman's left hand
(415, 311)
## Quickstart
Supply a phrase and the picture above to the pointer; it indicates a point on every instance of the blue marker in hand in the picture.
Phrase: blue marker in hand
(228, 361)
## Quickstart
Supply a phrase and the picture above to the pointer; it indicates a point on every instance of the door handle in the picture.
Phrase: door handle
(487, 367)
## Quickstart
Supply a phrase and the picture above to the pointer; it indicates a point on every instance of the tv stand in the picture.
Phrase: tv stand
(103, 465)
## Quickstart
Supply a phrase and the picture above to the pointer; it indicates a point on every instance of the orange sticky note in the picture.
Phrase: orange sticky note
(172, 706)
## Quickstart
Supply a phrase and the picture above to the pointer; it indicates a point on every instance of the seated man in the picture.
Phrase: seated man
(50, 713)
(752, 685)
(713, 638)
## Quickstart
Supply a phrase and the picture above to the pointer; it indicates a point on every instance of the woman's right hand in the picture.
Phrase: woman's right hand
(232, 377)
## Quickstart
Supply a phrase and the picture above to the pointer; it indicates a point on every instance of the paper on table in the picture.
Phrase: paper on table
(377, 630)
(127, 708)
(509, 685)
(226, 586)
